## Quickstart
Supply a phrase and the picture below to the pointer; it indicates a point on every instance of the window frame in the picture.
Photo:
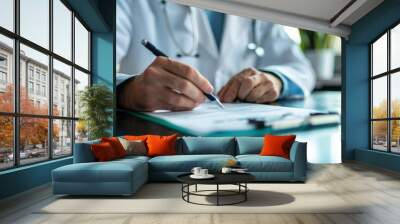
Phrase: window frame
(388, 74)
(16, 115)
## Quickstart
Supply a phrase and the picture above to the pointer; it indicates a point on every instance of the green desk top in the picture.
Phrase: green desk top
(322, 101)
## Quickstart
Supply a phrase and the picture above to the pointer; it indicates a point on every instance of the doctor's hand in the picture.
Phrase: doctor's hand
(253, 86)
(165, 84)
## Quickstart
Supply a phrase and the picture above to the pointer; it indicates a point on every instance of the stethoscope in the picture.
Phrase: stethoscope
(252, 46)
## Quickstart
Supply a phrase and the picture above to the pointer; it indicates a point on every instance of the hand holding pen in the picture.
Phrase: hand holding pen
(159, 53)
(164, 84)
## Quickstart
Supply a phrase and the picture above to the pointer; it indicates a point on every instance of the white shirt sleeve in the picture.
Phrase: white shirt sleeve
(124, 35)
(124, 28)
(284, 57)
(121, 77)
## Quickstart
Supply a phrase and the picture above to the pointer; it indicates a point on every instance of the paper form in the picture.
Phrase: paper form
(208, 117)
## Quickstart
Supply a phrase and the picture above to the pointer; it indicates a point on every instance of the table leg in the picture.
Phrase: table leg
(195, 188)
(188, 190)
(182, 188)
(217, 194)
(245, 193)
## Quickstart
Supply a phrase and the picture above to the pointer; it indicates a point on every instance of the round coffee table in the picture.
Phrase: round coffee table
(238, 179)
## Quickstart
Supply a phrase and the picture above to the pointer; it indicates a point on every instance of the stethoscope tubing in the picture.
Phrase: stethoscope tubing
(252, 46)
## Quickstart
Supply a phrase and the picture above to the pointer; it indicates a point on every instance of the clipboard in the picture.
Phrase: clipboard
(240, 119)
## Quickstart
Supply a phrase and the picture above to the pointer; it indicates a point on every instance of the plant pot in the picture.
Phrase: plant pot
(323, 62)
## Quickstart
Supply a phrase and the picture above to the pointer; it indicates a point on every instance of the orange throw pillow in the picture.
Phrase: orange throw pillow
(103, 152)
(277, 145)
(161, 145)
(116, 145)
(136, 137)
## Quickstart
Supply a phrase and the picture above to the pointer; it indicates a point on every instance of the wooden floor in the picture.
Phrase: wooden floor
(351, 181)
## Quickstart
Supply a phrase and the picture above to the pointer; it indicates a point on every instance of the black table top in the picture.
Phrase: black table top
(220, 178)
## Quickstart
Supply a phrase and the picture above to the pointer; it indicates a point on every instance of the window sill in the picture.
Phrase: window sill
(382, 159)
(30, 166)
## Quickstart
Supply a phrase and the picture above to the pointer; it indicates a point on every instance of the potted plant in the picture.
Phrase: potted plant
(318, 48)
(96, 103)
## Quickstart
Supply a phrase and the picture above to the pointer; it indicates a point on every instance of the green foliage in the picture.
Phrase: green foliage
(96, 102)
(311, 40)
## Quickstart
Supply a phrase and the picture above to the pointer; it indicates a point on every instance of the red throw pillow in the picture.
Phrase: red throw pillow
(277, 145)
(116, 145)
(161, 145)
(103, 152)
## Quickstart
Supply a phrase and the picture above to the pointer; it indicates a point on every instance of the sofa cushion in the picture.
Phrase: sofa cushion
(116, 145)
(161, 145)
(185, 163)
(275, 145)
(257, 163)
(135, 147)
(103, 152)
(136, 137)
(83, 152)
(207, 145)
(116, 170)
(249, 145)
(132, 158)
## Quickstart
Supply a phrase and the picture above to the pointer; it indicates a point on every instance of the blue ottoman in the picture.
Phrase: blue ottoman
(118, 177)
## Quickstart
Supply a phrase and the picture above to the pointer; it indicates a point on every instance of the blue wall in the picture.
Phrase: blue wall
(24, 178)
(355, 106)
(99, 16)
(103, 69)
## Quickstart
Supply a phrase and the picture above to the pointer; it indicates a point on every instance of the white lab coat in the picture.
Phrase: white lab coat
(139, 19)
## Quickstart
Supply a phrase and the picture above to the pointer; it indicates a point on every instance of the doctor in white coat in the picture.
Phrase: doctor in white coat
(237, 58)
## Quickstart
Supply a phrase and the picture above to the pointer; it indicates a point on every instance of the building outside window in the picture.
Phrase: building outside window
(3, 72)
(38, 89)
(3, 61)
(30, 87)
(37, 74)
(43, 90)
(3, 78)
(44, 77)
(385, 91)
(30, 72)
(57, 127)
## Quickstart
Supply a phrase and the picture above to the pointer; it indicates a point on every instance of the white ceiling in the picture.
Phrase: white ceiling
(321, 9)
(330, 16)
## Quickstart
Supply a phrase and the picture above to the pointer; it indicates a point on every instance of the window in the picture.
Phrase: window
(49, 79)
(38, 89)
(62, 30)
(37, 74)
(44, 91)
(3, 61)
(62, 137)
(30, 87)
(7, 14)
(62, 74)
(30, 72)
(3, 78)
(81, 81)
(34, 22)
(7, 73)
(385, 94)
(81, 45)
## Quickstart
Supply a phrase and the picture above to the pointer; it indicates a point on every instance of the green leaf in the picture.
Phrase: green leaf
(96, 102)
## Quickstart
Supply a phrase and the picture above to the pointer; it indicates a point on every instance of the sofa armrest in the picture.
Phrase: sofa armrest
(298, 155)
(83, 152)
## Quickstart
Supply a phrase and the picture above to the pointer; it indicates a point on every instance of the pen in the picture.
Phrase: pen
(149, 46)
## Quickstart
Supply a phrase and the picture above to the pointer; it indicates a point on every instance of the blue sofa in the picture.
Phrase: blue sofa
(125, 176)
